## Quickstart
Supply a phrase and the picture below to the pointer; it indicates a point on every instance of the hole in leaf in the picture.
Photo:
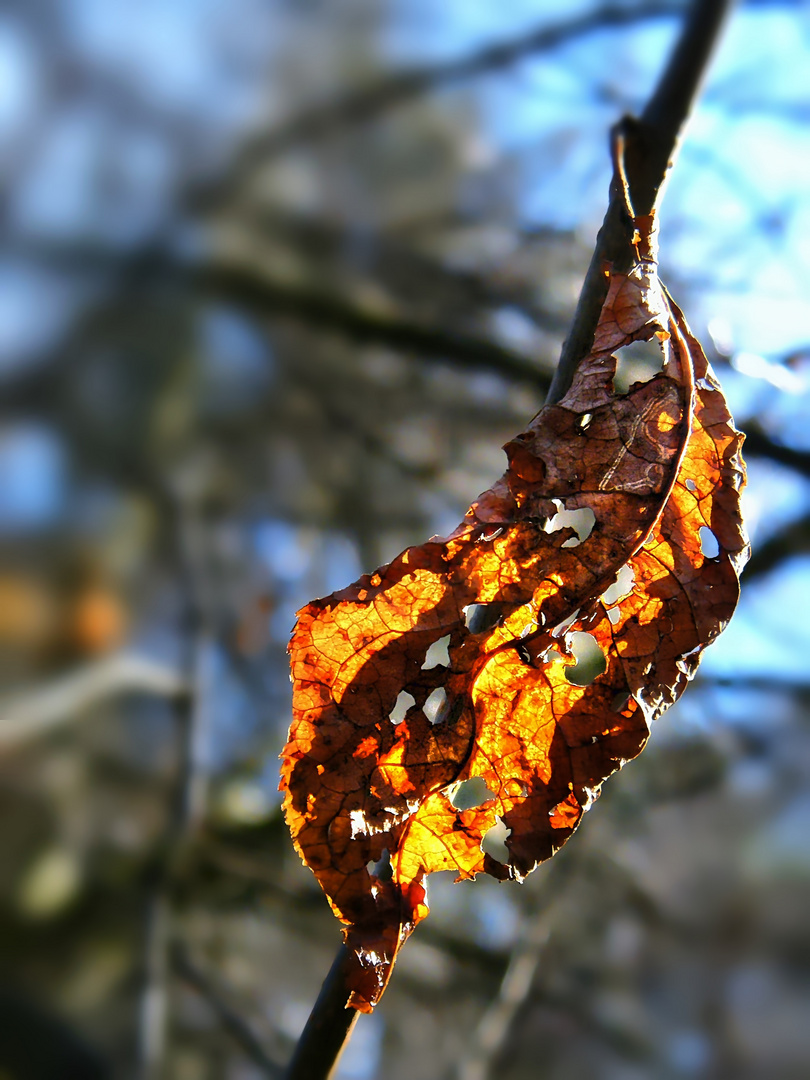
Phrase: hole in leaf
(591, 660)
(581, 520)
(382, 868)
(404, 702)
(708, 543)
(438, 655)
(621, 587)
(516, 789)
(620, 702)
(561, 628)
(637, 362)
(493, 842)
(434, 707)
(470, 793)
(584, 421)
(614, 614)
(491, 536)
(481, 617)
(690, 485)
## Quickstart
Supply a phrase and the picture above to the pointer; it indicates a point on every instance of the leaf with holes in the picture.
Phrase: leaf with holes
(461, 707)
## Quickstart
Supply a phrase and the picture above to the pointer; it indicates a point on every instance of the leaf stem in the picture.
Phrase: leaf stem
(648, 148)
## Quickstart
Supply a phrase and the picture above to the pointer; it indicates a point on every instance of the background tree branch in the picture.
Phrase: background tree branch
(370, 102)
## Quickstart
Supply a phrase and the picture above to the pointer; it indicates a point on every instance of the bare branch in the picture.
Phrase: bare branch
(328, 1028)
(247, 284)
(644, 150)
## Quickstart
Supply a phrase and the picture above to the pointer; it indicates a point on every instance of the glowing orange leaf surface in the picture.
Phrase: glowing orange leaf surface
(457, 660)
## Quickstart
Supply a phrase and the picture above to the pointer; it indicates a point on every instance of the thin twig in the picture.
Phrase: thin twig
(328, 1028)
(649, 147)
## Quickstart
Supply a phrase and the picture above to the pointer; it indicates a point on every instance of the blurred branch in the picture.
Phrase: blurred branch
(758, 444)
(405, 273)
(379, 256)
(492, 1030)
(371, 102)
(30, 714)
(153, 1002)
(188, 795)
(771, 683)
(246, 284)
(250, 288)
(646, 148)
(789, 541)
(241, 1032)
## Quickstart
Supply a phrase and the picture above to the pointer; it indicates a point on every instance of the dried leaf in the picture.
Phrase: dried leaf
(457, 660)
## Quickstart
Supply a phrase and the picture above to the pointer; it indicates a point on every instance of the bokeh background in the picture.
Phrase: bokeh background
(278, 280)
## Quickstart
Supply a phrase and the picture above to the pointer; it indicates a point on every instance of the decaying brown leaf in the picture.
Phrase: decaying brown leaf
(457, 660)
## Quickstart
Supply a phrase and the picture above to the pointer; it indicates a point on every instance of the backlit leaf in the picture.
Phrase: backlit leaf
(529, 651)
